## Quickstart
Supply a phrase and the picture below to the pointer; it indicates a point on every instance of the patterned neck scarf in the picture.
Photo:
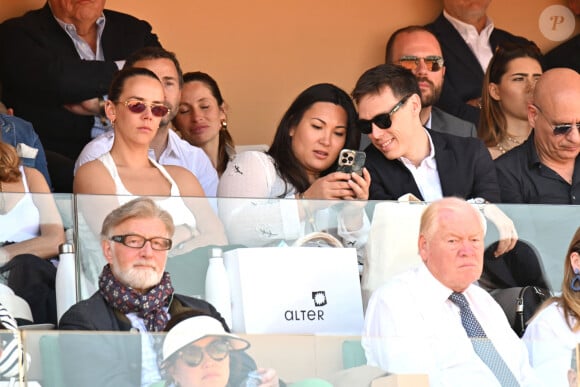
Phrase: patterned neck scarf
(149, 306)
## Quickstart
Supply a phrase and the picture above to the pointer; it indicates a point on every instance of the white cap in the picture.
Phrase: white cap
(194, 329)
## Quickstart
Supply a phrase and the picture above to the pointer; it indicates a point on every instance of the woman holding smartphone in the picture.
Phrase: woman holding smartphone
(301, 163)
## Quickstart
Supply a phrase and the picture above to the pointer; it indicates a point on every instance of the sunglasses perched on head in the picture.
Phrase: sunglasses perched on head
(136, 241)
(137, 107)
(382, 120)
(432, 62)
(560, 129)
(192, 355)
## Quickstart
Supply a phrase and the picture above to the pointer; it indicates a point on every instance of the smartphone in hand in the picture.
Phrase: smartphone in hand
(351, 161)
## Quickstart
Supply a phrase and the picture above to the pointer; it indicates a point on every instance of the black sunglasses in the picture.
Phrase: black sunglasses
(561, 129)
(382, 120)
(433, 63)
(138, 107)
(136, 241)
(192, 355)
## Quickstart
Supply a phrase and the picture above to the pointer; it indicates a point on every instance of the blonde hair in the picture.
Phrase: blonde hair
(9, 163)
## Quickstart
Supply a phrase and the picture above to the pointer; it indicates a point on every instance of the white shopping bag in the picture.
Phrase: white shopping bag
(301, 290)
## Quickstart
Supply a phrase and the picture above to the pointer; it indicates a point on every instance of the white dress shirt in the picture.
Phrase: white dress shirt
(477, 42)
(412, 327)
(425, 175)
(550, 342)
(178, 152)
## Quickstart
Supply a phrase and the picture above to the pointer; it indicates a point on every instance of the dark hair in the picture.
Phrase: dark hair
(286, 162)
(409, 29)
(492, 126)
(147, 53)
(226, 147)
(401, 81)
(118, 82)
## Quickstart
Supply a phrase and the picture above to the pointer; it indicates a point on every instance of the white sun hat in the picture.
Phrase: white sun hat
(196, 328)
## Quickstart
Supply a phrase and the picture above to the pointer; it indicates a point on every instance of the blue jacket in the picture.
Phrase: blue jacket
(16, 131)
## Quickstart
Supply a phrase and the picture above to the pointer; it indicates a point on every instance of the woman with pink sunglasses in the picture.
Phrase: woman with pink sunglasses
(135, 108)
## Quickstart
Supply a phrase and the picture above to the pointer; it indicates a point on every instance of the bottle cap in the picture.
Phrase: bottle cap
(66, 248)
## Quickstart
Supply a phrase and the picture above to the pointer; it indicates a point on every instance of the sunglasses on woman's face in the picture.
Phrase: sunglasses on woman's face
(192, 355)
(138, 107)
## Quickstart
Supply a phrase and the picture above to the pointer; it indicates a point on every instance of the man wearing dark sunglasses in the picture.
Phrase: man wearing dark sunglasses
(135, 295)
(546, 168)
(405, 158)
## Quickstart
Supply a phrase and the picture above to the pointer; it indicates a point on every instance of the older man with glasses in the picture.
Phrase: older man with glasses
(135, 295)
(546, 168)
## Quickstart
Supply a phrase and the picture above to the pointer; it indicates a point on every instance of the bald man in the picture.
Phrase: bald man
(415, 322)
(546, 168)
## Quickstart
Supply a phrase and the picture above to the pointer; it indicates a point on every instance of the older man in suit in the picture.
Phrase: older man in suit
(61, 60)
(468, 39)
(405, 158)
(417, 49)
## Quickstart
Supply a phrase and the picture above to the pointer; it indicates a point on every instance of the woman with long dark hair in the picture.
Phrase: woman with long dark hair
(301, 163)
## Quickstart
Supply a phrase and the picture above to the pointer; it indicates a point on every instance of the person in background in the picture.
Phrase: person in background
(22, 136)
(202, 121)
(135, 294)
(61, 62)
(417, 49)
(166, 147)
(508, 88)
(546, 167)
(555, 329)
(198, 352)
(300, 164)
(30, 232)
(434, 320)
(468, 39)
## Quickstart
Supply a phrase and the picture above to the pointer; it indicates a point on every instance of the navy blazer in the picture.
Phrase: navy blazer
(40, 71)
(464, 165)
(463, 74)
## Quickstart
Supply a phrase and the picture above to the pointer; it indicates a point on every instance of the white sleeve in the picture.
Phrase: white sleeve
(94, 149)
(261, 220)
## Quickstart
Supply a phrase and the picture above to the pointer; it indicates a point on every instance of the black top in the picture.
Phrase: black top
(524, 179)
(464, 166)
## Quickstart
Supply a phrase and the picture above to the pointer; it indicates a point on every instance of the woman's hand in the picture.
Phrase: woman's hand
(340, 185)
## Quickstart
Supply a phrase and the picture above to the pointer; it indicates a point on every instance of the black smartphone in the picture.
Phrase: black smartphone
(351, 161)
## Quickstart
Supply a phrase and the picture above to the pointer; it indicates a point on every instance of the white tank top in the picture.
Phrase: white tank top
(173, 204)
(23, 221)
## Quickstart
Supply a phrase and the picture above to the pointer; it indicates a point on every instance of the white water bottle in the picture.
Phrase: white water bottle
(65, 282)
(217, 286)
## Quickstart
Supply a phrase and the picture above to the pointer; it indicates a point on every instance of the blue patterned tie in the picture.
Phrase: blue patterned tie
(481, 344)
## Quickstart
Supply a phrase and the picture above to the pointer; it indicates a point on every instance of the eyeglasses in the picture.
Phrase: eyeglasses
(137, 107)
(382, 120)
(560, 129)
(432, 62)
(192, 355)
(136, 241)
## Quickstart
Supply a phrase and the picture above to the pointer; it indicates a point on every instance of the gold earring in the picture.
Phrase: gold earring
(224, 125)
